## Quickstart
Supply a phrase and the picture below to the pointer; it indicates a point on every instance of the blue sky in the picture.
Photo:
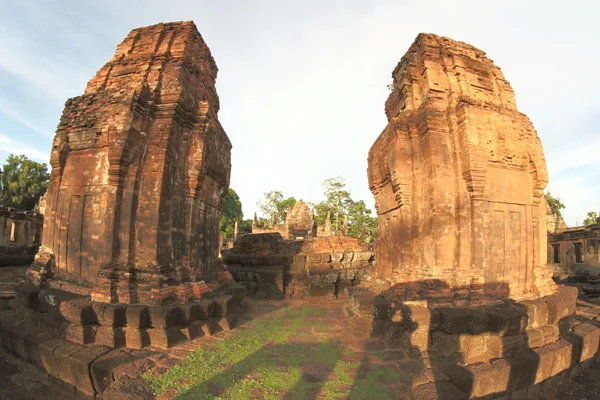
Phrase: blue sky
(303, 84)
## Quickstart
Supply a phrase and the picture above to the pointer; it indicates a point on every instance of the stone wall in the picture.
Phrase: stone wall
(272, 267)
(458, 176)
(575, 251)
(300, 224)
(20, 236)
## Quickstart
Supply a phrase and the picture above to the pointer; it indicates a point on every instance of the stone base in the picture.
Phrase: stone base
(77, 318)
(507, 348)
(275, 282)
(322, 267)
(84, 370)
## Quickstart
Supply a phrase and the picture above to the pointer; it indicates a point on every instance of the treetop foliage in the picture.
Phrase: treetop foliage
(23, 182)
(591, 219)
(231, 211)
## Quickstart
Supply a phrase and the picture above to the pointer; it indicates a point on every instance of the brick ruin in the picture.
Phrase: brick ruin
(300, 223)
(575, 251)
(20, 236)
(274, 268)
(140, 164)
(298, 259)
(574, 256)
(461, 279)
(458, 176)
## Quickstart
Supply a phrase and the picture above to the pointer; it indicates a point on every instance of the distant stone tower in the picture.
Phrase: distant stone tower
(458, 176)
(140, 164)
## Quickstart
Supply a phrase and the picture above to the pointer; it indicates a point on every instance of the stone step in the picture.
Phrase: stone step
(87, 370)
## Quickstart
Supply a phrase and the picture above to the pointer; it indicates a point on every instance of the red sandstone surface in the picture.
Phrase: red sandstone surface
(140, 164)
(458, 176)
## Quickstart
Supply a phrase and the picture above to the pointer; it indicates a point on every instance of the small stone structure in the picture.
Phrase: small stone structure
(461, 278)
(300, 224)
(20, 236)
(271, 267)
(575, 251)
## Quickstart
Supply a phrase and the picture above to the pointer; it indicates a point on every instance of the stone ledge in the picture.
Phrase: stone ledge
(532, 372)
(80, 320)
(85, 370)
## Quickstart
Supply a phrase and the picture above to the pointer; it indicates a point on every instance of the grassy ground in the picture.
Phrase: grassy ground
(290, 353)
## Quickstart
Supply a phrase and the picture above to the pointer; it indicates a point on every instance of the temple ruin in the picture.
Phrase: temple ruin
(129, 253)
(140, 164)
(458, 177)
(300, 223)
(457, 287)
(461, 278)
(20, 236)
(272, 267)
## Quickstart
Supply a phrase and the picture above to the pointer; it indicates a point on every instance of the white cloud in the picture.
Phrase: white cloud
(14, 113)
(302, 84)
(8, 145)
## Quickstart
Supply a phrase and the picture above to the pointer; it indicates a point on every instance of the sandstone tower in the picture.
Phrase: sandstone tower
(458, 176)
(140, 164)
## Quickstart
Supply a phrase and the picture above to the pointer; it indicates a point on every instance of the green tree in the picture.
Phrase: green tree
(359, 220)
(23, 182)
(337, 202)
(591, 219)
(555, 205)
(274, 202)
(245, 226)
(231, 211)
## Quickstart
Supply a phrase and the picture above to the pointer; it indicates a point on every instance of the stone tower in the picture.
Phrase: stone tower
(458, 176)
(140, 164)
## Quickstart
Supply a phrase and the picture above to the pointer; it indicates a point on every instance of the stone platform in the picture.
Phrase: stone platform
(80, 320)
(505, 349)
(273, 268)
(87, 346)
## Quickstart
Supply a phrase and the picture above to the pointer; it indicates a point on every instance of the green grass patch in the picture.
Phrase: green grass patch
(261, 362)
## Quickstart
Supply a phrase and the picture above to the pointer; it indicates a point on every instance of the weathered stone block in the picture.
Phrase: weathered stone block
(61, 358)
(535, 338)
(199, 310)
(221, 305)
(167, 316)
(18, 335)
(110, 314)
(164, 338)
(463, 320)
(545, 361)
(32, 347)
(113, 337)
(551, 333)
(82, 334)
(80, 363)
(137, 316)
(476, 380)
(537, 313)
(589, 336)
(561, 304)
(137, 338)
(563, 357)
(102, 368)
